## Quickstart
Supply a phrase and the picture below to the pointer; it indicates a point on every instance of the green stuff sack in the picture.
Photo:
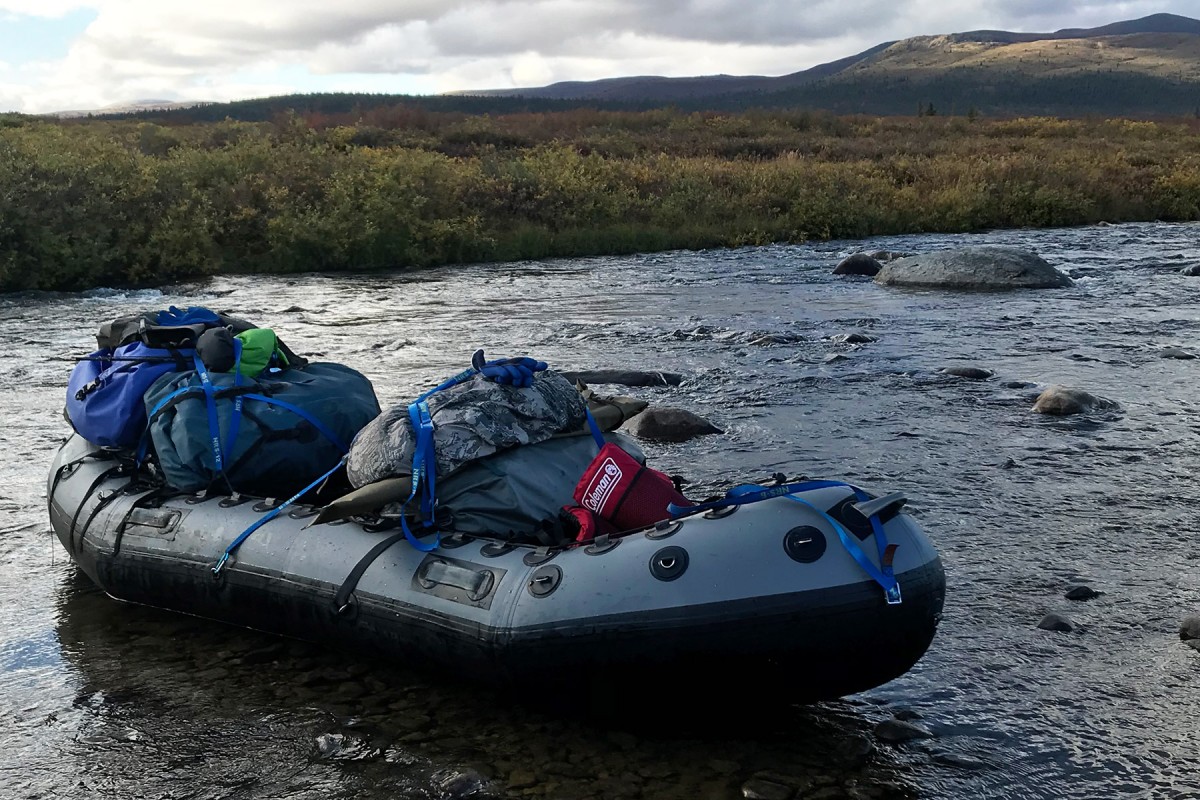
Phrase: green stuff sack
(260, 349)
(292, 427)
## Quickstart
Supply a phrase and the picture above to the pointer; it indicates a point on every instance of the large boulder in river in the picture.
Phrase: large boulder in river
(858, 264)
(1061, 400)
(974, 268)
(664, 424)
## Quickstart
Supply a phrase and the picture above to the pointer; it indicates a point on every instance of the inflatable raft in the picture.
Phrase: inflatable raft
(766, 597)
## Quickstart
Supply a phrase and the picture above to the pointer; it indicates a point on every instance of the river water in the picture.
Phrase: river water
(101, 699)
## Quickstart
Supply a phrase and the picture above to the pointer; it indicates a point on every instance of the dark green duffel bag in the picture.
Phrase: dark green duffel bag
(270, 437)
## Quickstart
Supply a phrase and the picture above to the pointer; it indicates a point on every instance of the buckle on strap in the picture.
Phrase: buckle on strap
(893, 595)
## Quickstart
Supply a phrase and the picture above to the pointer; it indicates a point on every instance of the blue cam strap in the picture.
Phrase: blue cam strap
(424, 475)
(214, 429)
(270, 515)
(236, 419)
(595, 428)
(424, 471)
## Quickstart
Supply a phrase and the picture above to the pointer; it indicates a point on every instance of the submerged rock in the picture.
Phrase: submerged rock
(1056, 622)
(452, 784)
(1175, 352)
(973, 373)
(1061, 400)
(852, 338)
(1082, 593)
(665, 424)
(855, 751)
(974, 268)
(858, 264)
(1191, 271)
(763, 789)
(897, 731)
(1190, 627)
(625, 377)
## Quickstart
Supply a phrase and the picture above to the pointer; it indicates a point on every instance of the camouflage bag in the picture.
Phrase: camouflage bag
(471, 420)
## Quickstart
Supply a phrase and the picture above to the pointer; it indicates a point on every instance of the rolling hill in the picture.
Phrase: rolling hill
(1143, 67)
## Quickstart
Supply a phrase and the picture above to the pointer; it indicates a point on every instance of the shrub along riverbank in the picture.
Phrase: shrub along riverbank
(131, 202)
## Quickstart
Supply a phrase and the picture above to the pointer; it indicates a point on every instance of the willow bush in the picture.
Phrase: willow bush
(132, 202)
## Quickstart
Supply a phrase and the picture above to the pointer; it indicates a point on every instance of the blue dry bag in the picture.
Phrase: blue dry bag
(104, 394)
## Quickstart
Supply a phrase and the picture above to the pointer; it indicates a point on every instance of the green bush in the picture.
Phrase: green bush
(96, 202)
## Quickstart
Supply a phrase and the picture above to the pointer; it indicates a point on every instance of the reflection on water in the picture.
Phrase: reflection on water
(108, 700)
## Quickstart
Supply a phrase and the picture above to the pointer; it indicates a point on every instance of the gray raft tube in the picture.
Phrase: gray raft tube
(759, 602)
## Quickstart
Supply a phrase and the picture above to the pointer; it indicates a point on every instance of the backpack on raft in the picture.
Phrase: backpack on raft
(106, 388)
(268, 437)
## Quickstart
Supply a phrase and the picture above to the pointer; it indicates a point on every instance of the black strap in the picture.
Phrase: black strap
(341, 600)
(64, 469)
(101, 478)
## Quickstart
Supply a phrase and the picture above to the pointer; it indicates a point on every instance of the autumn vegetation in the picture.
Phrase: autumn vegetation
(134, 202)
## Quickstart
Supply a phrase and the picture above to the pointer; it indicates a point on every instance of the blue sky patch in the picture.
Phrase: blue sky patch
(25, 38)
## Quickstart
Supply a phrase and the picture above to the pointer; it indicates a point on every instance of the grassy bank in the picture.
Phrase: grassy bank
(131, 202)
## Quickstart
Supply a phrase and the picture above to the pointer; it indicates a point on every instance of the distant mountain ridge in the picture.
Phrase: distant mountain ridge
(128, 108)
(1143, 68)
(1152, 65)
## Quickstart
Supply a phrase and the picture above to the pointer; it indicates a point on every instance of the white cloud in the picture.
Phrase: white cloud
(171, 48)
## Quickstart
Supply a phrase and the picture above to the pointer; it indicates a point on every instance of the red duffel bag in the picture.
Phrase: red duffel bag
(623, 494)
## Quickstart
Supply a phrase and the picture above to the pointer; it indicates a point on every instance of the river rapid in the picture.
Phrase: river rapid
(102, 699)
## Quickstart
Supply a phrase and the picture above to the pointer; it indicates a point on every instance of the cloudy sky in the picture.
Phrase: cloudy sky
(83, 54)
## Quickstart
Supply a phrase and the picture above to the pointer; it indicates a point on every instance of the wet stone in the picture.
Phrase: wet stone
(723, 766)
(853, 338)
(340, 747)
(350, 691)
(855, 751)
(828, 793)
(625, 741)
(949, 758)
(971, 373)
(1056, 622)
(1190, 627)
(760, 789)
(455, 784)
(1061, 400)
(1193, 643)
(663, 424)
(265, 655)
(1175, 352)
(858, 264)
(907, 714)
(833, 358)
(897, 731)
(656, 772)
(1082, 593)
(521, 779)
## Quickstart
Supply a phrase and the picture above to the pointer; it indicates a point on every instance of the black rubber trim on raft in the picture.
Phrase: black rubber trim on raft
(844, 638)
